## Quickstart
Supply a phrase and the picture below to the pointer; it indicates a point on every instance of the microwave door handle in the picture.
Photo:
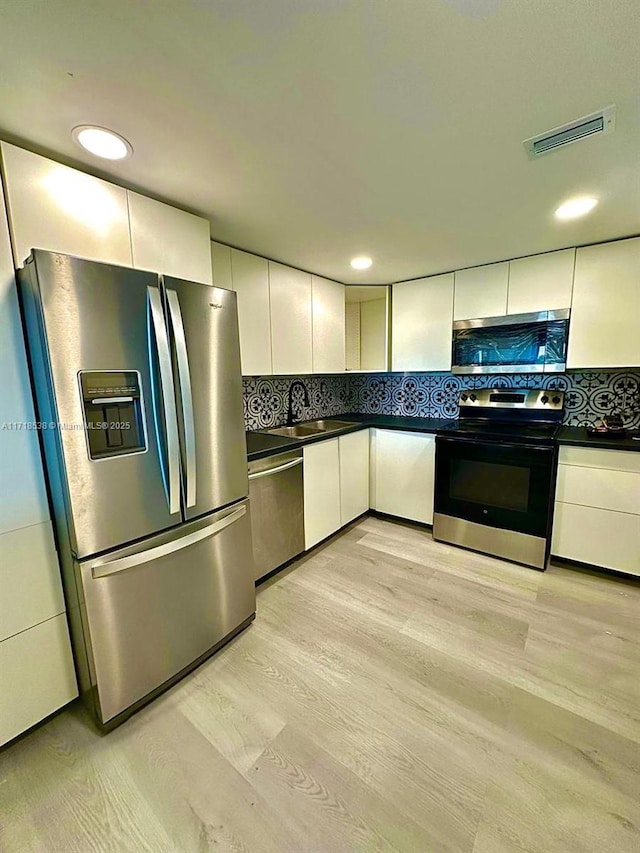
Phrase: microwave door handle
(184, 377)
(156, 331)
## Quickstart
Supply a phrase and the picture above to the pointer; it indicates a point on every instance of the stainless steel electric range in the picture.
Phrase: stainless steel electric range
(496, 474)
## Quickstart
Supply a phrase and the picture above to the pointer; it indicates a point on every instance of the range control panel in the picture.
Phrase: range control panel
(513, 398)
(114, 419)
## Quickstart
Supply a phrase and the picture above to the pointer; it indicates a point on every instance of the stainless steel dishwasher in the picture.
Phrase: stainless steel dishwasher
(276, 499)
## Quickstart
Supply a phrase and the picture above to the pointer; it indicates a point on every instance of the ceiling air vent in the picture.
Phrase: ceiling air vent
(603, 121)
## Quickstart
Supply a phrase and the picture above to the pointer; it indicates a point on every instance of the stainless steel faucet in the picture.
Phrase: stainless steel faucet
(297, 383)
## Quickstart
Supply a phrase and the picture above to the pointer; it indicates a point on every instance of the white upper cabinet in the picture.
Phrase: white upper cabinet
(422, 317)
(481, 292)
(63, 210)
(24, 498)
(291, 346)
(541, 282)
(604, 330)
(170, 241)
(250, 275)
(221, 265)
(328, 325)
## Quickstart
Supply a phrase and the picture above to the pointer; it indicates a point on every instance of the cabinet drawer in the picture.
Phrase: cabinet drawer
(31, 589)
(36, 676)
(597, 536)
(594, 457)
(599, 487)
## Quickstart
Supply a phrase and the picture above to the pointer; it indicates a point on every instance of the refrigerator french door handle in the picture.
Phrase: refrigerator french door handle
(112, 567)
(172, 480)
(186, 396)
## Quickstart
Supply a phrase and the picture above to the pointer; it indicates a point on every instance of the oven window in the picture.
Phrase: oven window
(490, 484)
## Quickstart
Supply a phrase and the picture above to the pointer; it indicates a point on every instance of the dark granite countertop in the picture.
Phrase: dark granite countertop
(261, 444)
(579, 437)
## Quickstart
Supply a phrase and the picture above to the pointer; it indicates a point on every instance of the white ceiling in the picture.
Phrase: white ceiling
(313, 130)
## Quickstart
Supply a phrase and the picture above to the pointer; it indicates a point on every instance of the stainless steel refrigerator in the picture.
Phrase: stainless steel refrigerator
(139, 394)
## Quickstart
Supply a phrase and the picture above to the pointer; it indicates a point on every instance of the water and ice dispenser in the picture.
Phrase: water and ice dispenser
(112, 403)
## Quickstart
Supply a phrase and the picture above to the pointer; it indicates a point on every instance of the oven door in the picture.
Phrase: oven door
(508, 486)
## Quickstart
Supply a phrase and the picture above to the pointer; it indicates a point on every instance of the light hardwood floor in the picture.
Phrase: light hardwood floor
(393, 694)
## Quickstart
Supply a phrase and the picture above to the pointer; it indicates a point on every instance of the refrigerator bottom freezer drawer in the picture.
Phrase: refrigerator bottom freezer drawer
(151, 610)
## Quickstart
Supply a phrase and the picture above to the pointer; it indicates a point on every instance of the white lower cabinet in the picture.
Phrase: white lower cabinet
(597, 508)
(36, 676)
(354, 475)
(321, 491)
(402, 473)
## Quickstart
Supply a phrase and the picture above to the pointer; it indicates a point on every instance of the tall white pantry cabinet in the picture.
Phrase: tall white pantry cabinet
(54, 207)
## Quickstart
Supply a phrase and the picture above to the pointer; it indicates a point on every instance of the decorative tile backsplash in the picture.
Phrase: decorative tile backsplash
(266, 399)
(589, 396)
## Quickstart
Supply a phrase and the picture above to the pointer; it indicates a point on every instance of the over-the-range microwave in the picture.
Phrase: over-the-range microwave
(516, 343)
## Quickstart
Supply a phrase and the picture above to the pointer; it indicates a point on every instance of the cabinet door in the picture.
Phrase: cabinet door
(290, 320)
(541, 282)
(481, 292)
(328, 325)
(22, 486)
(36, 676)
(599, 537)
(221, 265)
(170, 241)
(63, 210)
(604, 330)
(354, 475)
(250, 276)
(422, 317)
(30, 583)
(321, 491)
(402, 474)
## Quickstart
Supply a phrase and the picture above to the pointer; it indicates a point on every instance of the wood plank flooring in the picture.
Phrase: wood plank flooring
(393, 694)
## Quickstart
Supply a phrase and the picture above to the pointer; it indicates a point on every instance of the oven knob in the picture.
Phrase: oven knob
(463, 397)
(473, 398)
(544, 399)
(555, 400)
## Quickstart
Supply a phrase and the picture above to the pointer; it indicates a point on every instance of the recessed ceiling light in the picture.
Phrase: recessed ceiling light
(576, 207)
(102, 142)
(361, 263)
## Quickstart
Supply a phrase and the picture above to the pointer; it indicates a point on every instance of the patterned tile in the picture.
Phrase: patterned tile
(589, 395)
(266, 399)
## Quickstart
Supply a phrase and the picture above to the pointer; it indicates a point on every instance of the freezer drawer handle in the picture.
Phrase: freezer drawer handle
(168, 399)
(112, 567)
(277, 470)
(186, 396)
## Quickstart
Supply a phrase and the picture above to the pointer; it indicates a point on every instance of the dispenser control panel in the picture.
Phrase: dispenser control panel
(113, 412)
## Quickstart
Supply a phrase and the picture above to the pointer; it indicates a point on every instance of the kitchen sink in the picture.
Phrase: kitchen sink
(310, 429)
(295, 431)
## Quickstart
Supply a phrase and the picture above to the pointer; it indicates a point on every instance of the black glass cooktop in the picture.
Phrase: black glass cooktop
(538, 433)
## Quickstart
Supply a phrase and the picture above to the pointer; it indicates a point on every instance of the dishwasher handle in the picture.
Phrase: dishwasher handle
(269, 471)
